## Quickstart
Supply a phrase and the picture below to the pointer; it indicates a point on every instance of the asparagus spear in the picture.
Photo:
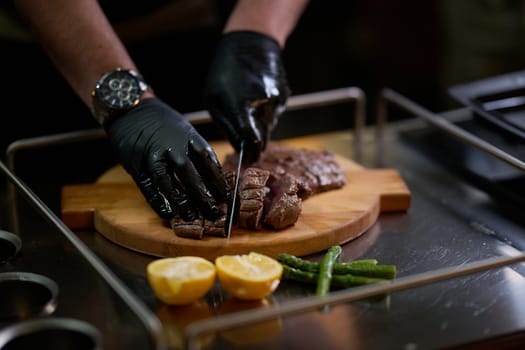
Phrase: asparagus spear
(377, 271)
(339, 281)
(363, 267)
(313, 266)
(326, 267)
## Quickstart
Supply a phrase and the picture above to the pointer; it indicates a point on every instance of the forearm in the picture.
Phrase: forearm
(276, 18)
(78, 38)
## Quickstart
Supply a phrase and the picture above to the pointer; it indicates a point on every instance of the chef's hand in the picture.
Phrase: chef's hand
(174, 167)
(247, 89)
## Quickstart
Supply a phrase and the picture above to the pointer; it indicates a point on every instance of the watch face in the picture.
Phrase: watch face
(120, 89)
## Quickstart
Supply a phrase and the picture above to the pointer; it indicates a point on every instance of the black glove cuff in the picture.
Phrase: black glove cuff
(247, 37)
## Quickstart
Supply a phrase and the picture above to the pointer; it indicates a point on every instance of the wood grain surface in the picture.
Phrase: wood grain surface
(115, 208)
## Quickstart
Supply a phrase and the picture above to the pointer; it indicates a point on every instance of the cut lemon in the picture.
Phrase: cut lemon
(252, 276)
(181, 280)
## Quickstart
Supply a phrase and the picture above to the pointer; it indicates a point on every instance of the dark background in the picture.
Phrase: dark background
(418, 48)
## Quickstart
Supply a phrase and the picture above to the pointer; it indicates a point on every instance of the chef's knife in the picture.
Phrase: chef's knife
(233, 206)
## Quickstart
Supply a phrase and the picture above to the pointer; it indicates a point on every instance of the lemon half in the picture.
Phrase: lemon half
(181, 280)
(251, 276)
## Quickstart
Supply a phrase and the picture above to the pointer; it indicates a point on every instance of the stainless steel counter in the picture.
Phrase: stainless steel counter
(452, 224)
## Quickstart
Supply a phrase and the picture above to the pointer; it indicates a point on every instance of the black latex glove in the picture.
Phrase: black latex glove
(174, 167)
(247, 89)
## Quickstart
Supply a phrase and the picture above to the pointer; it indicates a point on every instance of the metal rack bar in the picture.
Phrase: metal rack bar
(388, 95)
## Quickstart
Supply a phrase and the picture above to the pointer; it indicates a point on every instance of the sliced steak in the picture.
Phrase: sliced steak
(188, 229)
(271, 190)
(282, 205)
(217, 227)
(314, 171)
(252, 191)
(200, 226)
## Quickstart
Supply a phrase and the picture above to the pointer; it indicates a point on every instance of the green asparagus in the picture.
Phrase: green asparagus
(363, 267)
(339, 281)
(326, 267)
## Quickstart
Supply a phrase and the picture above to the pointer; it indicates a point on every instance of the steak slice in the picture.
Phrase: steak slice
(282, 205)
(217, 227)
(199, 227)
(188, 229)
(252, 191)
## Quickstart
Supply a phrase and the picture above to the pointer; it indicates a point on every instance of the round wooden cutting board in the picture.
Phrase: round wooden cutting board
(116, 209)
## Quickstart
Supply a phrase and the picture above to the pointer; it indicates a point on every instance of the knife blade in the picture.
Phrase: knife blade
(233, 206)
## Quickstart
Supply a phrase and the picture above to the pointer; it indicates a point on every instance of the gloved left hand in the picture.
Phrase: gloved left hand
(247, 89)
(174, 167)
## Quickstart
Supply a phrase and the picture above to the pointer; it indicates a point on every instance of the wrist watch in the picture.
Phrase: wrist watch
(116, 92)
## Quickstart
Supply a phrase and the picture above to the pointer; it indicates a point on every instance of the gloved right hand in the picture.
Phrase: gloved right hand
(175, 168)
(246, 89)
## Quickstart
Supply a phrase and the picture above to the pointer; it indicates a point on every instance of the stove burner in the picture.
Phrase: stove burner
(10, 245)
(53, 333)
(25, 295)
